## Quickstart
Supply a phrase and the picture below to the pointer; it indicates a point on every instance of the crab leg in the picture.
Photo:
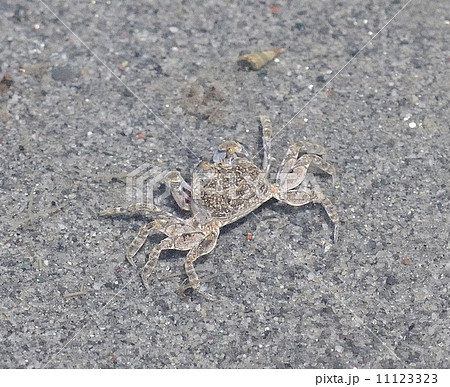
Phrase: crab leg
(300, 198)
(148, 209)
(266, 138)
(180, 237)
(204, 247)
(138, 241)
(288, 180)
(153, 257)
(165, 220)
(141, 208)
(293, 152)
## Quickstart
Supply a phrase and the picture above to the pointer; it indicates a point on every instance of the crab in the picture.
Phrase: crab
(222, 192)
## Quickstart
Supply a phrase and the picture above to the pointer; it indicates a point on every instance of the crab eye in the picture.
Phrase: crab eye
(206, 165)
(233, 147)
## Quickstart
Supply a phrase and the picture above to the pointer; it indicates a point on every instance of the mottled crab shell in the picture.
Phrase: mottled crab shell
(228, 191)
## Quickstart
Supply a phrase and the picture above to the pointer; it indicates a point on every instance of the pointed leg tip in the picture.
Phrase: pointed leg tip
(336, 235)
(204, 293)
(208, 296)
(144, 279)
(182, 291)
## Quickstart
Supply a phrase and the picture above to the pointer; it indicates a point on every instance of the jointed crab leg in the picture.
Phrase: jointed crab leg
(177, 240)
(166, 223)
(266, 138)
(293, 152)
(204, 247)
(138, 241)
(153, 257)
(288, 180)
(300, 198)
(140, 208)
